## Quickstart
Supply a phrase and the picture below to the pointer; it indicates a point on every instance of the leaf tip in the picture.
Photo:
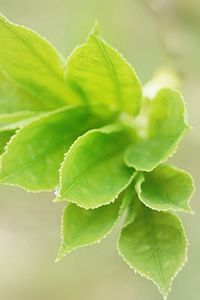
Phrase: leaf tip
(57, 260)
(95, 29)
(62, 252)
(190, 210)
(165, 297)
(57, 199)
(59, 257)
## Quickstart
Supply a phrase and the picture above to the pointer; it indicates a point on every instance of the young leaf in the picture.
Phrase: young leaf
(166, 124)
(93, 172)
(14, 99)
(165, 188)
(102, 171)
(4, 138)
(33, 63)
(81, 227)
(155, 246)
(130, 200)
(16, 120)
(101, 75)
(127, 197)
(34, 154)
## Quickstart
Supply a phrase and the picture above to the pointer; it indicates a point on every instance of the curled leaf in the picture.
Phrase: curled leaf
(166, 188)
(165, 123)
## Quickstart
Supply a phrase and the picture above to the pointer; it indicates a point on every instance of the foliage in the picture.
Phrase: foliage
(83, 128)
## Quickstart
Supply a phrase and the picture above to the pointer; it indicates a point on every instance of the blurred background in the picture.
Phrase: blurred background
(151, 34)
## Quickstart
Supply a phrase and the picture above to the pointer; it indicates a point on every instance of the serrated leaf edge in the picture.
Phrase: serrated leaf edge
(61, 256)
(138, 188)
(7, 22)
(106, 129)
(94, 33)
(172, 150)
(164, 295)
(35, 120)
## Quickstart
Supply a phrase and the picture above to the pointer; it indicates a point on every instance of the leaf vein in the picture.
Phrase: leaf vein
(155, 248)
(111, 70)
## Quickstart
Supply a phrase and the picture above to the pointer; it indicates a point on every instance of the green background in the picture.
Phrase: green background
(150, 34)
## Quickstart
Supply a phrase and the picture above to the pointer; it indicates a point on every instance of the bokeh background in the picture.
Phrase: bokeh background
(151, 34)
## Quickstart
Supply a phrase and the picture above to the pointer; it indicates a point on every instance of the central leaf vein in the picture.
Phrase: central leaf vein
(111, 69)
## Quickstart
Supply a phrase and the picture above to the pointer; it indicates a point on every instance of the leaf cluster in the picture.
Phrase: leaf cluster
(83, 127)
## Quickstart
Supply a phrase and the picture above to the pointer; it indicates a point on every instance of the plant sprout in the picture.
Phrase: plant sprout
(83, 126)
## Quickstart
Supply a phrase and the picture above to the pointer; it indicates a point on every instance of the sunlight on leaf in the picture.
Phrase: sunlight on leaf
(101, 75)
(165, 125)
(34, 64)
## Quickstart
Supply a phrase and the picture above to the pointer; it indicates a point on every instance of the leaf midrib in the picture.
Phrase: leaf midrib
(155, 248)
(29, 163)
(95, 162)
(85, 225)
(50, 150)
(111, 69)
(52, 70)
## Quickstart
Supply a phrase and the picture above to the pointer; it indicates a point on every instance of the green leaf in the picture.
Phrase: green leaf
(165, 124)
(14, 99)
(4, 138)
(34, 64)
(16, 120)
(127, 196)
(100, 75)
(165, 188)
(93, 172)
(129, 203)
(155, 246)
(34, 154)
(81, 227)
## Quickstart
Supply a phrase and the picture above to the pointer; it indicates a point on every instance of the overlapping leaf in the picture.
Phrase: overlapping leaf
(16, 120)
(31, 62)
(93, 172)
(14, 99)
(130, 202)
(33, 156)
(4, 138)
(165, 188)
(100, 75)
(165, 125)
(155, 246)
(81, 227)
(100, 169)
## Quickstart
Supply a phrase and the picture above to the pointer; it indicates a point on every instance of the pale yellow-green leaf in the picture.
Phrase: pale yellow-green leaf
(34, 64)
(100, 75)
(160, 126)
